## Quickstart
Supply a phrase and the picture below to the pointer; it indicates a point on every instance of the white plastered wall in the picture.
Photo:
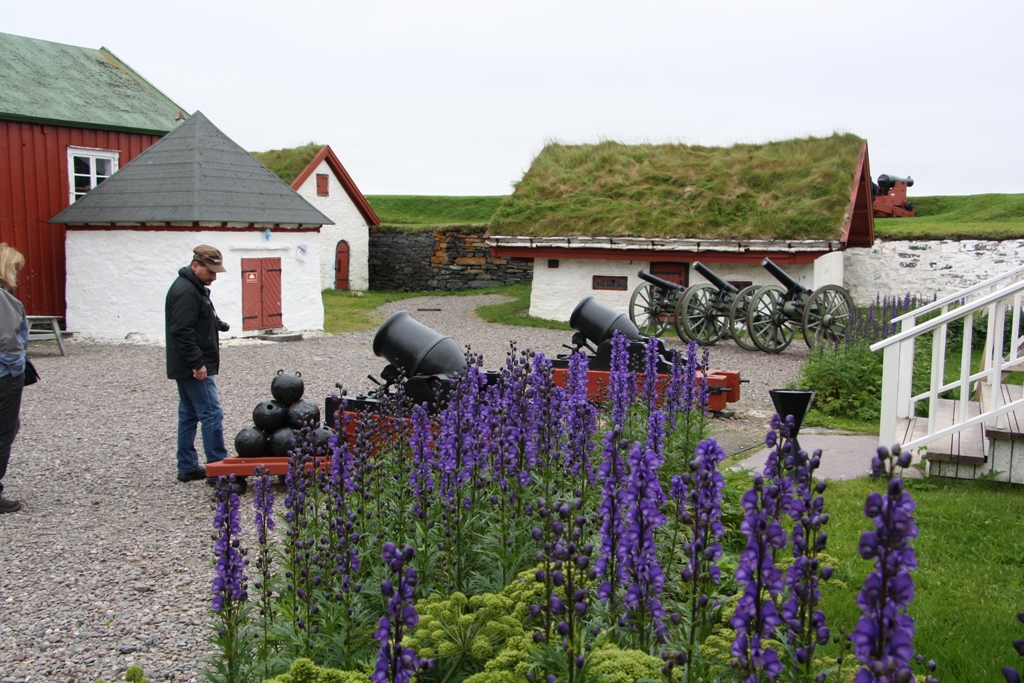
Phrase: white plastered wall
(349, 225)
(926, 268)
(117, 280)
(828, 270)
(556, 291)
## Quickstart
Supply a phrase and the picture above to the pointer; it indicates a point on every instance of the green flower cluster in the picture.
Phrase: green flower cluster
(463, 633)
(305, 671)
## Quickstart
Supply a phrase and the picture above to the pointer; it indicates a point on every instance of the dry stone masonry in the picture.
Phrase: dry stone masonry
(437, 260)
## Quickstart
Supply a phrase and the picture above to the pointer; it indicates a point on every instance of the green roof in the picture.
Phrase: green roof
(789, 189)
(81, 87)
(288, 163)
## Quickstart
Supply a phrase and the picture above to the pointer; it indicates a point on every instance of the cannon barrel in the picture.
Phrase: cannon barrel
(710, 276)
(658, 282)
(792, 286)
(413, 347)
(598, 323)
(886, 182)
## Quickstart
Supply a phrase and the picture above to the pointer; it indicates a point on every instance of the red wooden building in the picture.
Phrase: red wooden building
(69, 118)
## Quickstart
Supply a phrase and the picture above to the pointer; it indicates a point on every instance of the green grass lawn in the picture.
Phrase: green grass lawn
(970, 582)
(357, 311)
(982, 216)
(422, 210)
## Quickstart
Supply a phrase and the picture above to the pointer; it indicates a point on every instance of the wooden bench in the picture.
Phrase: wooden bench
(44, 327)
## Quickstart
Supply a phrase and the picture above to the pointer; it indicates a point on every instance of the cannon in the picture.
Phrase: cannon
(889, 197)
(652, 305)
(596, 325)
(426, 359)
(824, 314)
(709, 311)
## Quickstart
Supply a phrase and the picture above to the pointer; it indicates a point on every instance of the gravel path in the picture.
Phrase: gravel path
(108, 564)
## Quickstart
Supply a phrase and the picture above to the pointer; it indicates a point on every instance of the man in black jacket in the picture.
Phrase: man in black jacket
(193, 358)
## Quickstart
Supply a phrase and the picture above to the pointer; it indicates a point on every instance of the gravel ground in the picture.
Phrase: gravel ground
(108, 563)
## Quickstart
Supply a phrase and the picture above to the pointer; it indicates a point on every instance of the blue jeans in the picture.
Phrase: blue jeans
(10, 407)
(199, 403)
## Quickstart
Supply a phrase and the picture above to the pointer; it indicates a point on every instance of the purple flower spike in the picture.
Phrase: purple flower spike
(396, 663)
(229, 584)
(882, 640)
(756, 618)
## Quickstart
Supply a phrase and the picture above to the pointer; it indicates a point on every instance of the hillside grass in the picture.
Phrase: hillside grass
(790, 189)
(433, 211)
(287, 164)
(980, 217)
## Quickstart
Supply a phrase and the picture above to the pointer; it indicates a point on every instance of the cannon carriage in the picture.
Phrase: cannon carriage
(705, 312)
(774, 312)
(652, 306)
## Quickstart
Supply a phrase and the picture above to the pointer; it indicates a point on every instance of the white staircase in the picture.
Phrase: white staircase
(966, 439)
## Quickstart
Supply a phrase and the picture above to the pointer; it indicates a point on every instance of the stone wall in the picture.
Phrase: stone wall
(926, 267)
(444, 259)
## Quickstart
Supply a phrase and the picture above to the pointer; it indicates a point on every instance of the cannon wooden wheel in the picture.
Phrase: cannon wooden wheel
(650, 310)
(697, 317)
(828, 315)
(739, 329)
(769, 327)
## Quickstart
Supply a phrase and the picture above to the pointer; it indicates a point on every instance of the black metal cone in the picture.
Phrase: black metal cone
(795, 402)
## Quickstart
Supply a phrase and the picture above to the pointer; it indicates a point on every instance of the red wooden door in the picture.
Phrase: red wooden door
(678, 273)
(261, 293)
(341, 266)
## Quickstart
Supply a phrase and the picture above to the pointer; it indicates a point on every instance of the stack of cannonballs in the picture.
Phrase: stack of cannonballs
(278, 421)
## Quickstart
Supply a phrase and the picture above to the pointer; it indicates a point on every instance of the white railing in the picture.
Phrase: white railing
(992, 297)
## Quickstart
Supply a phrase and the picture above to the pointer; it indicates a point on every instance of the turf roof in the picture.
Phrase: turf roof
(789, 189)
(288, 163)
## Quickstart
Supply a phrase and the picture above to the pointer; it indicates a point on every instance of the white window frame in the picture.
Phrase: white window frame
(92, 153)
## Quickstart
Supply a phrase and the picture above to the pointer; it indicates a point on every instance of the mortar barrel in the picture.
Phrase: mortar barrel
(598, 323)
(410, 345)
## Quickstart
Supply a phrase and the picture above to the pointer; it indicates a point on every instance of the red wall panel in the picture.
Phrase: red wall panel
(34, 188)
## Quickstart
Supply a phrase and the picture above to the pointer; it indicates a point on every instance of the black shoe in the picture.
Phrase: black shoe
(194, 475)
(8, 505)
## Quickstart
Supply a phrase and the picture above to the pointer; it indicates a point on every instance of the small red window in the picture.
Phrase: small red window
(609, 282)
(321, 185)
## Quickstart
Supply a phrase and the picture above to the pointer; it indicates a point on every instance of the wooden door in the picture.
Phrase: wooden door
(678, 273)
(261, 293)
(341, 266)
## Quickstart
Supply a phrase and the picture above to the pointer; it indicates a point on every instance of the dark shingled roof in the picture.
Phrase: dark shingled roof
(61, 84)
(194, 174)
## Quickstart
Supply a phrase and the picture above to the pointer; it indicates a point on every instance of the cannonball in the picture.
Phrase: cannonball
(322, 438)
(270, 416)
(281, 441)
(301, 412)
(252, 443)
(287, 387)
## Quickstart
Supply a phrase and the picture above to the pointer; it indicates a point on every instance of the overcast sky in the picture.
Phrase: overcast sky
(456, 98)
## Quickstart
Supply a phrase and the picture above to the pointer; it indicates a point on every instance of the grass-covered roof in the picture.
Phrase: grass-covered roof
(287, 164)
(790, 189)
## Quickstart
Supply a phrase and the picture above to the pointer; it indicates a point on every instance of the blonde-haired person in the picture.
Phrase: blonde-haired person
(13, 344)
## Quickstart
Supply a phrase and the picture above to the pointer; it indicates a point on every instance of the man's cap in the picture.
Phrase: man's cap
(209, 257)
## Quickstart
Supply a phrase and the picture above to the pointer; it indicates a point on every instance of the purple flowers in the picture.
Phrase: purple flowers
(642, 498)
(396, 663)
(698, 496)
(229, 583)
(882, 640)
(621, 379)
(756, 618)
